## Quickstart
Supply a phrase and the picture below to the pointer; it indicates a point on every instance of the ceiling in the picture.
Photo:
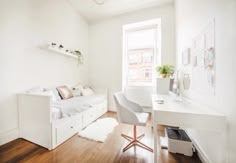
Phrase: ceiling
(93, 12)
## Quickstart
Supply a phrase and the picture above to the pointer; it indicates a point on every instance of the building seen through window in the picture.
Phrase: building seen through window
(140, 66)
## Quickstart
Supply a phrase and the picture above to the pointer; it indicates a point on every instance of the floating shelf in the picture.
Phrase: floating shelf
(62, 52)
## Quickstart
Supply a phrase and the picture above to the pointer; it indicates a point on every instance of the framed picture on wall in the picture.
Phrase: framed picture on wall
(186, 56)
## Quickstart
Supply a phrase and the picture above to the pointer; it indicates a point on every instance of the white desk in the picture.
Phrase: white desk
(185, 115)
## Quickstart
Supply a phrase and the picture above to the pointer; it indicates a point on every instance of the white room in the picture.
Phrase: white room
(69, 84)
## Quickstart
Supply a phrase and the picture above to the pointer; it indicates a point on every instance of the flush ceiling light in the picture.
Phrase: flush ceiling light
(99, 2)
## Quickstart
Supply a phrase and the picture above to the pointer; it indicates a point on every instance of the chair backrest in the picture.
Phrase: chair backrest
(119, 98)
(124, 112)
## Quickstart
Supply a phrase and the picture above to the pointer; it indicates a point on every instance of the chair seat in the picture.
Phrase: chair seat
(142, 118)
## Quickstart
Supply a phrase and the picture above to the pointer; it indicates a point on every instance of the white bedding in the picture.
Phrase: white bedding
(56, 113)
(72, 106)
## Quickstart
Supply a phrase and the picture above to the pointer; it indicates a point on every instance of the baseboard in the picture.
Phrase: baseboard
(200, 152)
(8, 136)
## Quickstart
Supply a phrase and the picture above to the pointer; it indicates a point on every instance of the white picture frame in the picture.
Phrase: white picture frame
(186, 55)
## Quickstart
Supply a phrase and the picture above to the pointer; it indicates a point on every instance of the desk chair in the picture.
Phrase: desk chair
(131, 113)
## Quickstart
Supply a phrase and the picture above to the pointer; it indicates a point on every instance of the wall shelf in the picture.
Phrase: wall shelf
(60, 51)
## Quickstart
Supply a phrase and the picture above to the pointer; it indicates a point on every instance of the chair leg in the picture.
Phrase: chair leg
(128, 146)
(135, 141)
(145, 146)
(127, 137)
(140, 137)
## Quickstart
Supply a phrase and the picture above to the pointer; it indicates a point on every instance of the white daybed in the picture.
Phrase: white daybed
(48, 123)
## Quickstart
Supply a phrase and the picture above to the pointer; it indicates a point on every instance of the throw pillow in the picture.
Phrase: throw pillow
(79, 86)
(64, 92)
(76, 92)
(87, 92)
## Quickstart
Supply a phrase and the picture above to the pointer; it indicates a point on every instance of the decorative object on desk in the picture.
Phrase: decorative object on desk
(165, 70)
(186, 55)
(80, 56)
(186, 81)
(171, 83)
(177, 85)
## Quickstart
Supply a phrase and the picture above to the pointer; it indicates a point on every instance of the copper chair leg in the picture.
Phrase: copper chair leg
(127, 137)
(135, 141)
(140, 137)
(132, 143)
(145, 146)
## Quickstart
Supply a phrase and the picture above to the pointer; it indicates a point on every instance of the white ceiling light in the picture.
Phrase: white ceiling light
(99, 2)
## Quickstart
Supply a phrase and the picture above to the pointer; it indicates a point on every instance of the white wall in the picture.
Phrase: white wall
(105, 46)
(25, 27)
(191, 18)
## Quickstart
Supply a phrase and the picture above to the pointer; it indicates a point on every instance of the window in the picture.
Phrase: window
(140, 66)
(140, 54)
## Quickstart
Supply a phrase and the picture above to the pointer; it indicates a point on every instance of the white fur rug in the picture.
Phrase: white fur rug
(99, 130)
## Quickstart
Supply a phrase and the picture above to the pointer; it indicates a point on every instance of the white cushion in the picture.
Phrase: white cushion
(87, 92)
(142, 118)
(76, 92)
(79, 86)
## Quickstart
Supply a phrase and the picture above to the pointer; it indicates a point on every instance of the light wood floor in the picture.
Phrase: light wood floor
(80, 150)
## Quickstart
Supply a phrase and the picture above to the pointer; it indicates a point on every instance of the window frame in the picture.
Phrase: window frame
(152, 24)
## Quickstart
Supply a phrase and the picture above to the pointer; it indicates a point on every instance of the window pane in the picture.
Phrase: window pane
(140, 64)
(141, 39)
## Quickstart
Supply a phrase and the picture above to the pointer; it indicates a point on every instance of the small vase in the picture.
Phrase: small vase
(163, 75)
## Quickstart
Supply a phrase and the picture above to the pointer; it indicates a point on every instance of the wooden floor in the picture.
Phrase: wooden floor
(80, 150)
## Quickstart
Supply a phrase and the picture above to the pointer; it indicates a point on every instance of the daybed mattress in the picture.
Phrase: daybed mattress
(56, 113)
(75, 105)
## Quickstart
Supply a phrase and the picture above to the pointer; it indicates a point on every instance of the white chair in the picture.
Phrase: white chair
(131, 113)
